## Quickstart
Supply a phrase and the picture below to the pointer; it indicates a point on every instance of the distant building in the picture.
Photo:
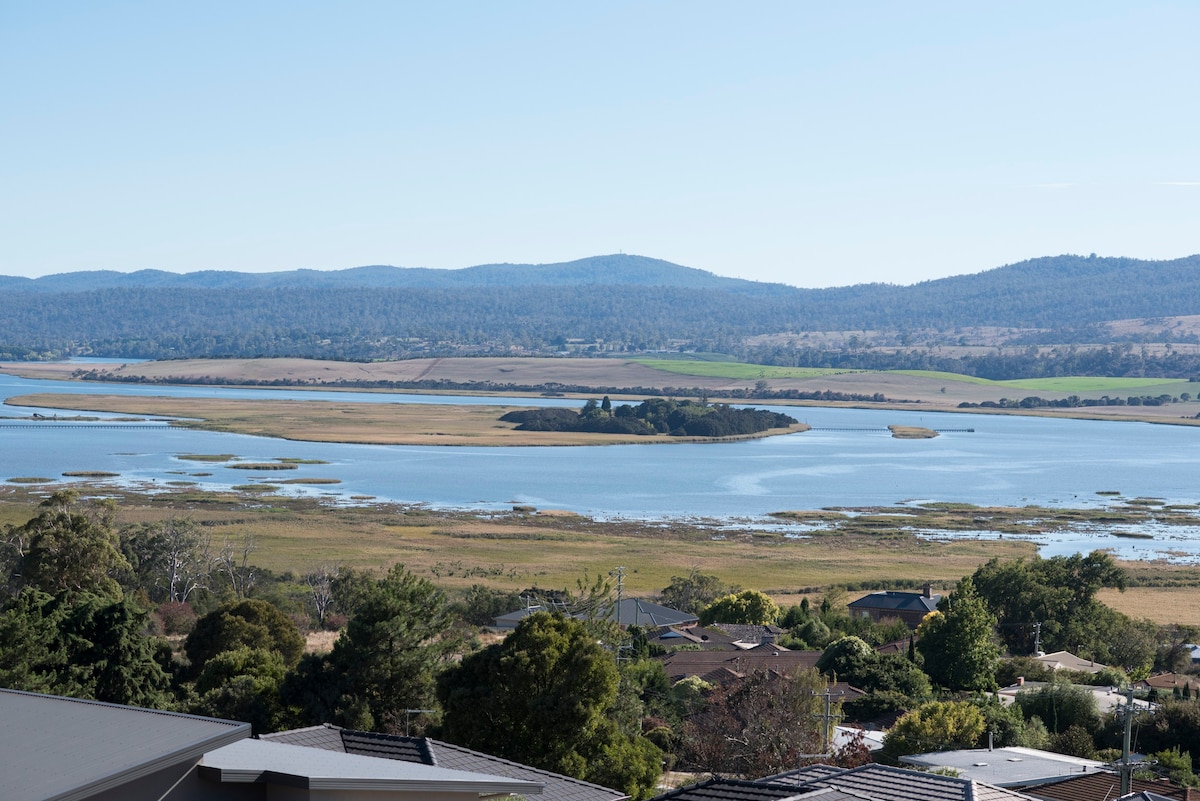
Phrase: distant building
(1065, 660)
(629, 612)
(910, 607)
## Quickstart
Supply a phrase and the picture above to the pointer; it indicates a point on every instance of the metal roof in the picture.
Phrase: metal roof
(62, 749)
(426, 750)
(250, 761)
(1006, 767)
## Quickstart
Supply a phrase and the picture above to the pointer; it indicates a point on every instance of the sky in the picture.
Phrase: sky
(813, 144)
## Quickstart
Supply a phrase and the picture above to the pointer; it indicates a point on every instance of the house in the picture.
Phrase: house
(1065, 660)
(67, 749)
(260, 769)
(742, 790)
(428, 751)
(626, 612)
(1106, 786)
(1108, 698)
(1166, 684)
(71, 750)
(885, 783)
(722, 667)
(909, 607)
(707, 638)
(1006, 767)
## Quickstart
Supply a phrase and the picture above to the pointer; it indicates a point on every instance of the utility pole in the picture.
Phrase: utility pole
(1125, 766)
(619, 572)
(829, 717)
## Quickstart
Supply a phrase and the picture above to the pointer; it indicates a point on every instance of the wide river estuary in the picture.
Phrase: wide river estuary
(849, 459)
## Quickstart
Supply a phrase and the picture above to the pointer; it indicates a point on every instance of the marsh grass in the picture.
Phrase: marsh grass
(90, 474)
(515, 551)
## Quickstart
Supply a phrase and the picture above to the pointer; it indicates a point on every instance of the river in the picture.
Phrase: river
(1004, 461)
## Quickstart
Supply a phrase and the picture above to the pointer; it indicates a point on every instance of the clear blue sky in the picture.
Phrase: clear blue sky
(817, 144)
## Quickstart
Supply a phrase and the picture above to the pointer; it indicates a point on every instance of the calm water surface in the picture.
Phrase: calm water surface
(1006, 461)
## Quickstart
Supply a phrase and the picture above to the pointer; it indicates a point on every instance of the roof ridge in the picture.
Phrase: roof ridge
(494, 758)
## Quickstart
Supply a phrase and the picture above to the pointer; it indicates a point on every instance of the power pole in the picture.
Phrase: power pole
(1126, 766)
(619, 572)
(828, 718)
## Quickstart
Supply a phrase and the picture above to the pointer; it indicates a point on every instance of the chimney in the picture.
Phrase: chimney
(927, 590)
(1020, 681)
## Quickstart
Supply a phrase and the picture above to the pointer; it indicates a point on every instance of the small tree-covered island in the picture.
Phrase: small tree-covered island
(654, 416)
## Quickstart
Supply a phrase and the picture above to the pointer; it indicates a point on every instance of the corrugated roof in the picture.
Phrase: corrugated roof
(54, 748)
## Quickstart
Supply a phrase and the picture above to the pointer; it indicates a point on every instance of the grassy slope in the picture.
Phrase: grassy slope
(743, 371)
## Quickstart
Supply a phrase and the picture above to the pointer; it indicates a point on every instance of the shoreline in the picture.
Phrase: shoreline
(923, 394)
(357, 423)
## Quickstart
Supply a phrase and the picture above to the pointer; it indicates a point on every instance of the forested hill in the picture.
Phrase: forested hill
(619, 302)
(615, 270)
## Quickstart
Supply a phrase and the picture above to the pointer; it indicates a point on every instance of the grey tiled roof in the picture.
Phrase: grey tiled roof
(427, 751)
(1098, 786)
(731, 790)
(897, 601)
(629, 612)
(682, 664)
(804, 775)
(884, 783)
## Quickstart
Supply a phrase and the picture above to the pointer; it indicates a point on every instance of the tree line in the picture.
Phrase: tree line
(654, 416)
(86, 604)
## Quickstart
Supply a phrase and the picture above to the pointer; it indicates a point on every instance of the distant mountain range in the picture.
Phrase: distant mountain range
(615, 270)
(617, 303)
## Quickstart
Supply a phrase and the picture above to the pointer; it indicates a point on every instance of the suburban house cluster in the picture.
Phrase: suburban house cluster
(77, 750)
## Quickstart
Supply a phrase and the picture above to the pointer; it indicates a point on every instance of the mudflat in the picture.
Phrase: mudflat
(360, 423)
(596, 376)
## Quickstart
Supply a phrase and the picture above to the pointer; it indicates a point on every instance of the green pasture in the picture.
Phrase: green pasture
(1068, 384)
(735, 370)
(1085, 383)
